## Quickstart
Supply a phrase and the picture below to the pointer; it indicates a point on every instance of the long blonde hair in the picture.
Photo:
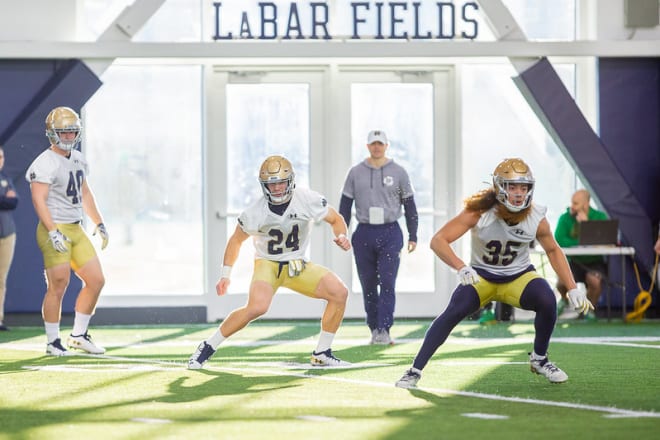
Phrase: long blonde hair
(485, 199)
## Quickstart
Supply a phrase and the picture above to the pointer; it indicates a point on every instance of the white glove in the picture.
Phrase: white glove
(58, 240)
(467, 276)
(578, 299)
(296, 267)
(103, 233)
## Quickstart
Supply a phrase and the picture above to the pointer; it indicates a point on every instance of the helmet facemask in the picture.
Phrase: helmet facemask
(63, 120)
(277, 169)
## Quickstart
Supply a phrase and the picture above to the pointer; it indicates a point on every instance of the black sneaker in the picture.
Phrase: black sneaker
(202, 354)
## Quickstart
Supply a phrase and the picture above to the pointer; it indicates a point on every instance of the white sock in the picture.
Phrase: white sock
(216, 339)
(537, 357)
(52, 331)
(325, 341)
(80, 324)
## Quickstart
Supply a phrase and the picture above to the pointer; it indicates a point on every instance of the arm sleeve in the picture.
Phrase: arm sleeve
(345, 206)
(412, 218)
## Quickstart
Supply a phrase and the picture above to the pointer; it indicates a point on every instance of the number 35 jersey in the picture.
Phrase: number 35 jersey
(65, 175)
(284, 237)
(502, 249)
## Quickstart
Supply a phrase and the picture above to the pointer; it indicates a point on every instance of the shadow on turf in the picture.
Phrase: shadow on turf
(18, 421)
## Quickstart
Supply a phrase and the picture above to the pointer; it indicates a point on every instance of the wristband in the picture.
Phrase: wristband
(225, 272)
(341, 236)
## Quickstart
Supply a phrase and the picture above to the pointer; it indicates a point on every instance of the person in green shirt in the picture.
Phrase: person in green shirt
(588, 269)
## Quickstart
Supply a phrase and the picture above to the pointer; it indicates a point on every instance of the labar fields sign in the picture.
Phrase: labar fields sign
(398, 20)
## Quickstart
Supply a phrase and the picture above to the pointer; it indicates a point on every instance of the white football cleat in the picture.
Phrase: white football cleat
(409, 378)
(84, 342)
(546, 368)
(55, 348)
(327, 359)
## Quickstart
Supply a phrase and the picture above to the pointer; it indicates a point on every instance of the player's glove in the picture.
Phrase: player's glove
(467, 276)
(578, 298)
(103, 233)
(58, 240)
(296, 267)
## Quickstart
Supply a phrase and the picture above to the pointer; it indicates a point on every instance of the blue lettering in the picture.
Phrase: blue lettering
(475, 24)
(293, 16)
(357, 20)
(245, 27)
(217, 36)
(441, 21)
(379, 27)
(403, 22)
(394, 20)
(417, 36)
(323, 24)
(268, 20)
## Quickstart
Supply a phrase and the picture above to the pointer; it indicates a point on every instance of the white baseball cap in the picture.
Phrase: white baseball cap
(377, 136)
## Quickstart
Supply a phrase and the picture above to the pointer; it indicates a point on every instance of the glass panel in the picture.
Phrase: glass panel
(174, 21)
(264, 119)
(145, 156)
(405, 113)
(499, 123)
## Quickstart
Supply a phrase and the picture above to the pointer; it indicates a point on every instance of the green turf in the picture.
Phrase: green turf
(258, 385)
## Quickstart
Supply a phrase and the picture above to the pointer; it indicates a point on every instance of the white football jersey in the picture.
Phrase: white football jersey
(65, 177)
(502, 249)
(285, 237)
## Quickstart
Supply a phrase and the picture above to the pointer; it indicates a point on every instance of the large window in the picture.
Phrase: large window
(265, 119)
(405, 113)
(498, 123)
(143, 139)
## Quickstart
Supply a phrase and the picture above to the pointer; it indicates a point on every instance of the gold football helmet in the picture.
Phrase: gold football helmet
(512, 171)
(277, 169)
(60, 120)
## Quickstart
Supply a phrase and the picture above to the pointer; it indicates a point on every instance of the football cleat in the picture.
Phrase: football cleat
(327, 359)
(546, 368)
(55, 348)
(381, 337)
(200, 356)
(409, 378)
(84, 342)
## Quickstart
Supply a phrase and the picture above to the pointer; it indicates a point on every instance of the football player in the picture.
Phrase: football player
(60, 195)
(503, 222)
(280, 224)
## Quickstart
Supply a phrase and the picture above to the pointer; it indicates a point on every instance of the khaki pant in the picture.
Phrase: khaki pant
(6, 255)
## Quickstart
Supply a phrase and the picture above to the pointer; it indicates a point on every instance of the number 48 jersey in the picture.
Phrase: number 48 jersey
(502, 249)
(65, 175)
(284, 237)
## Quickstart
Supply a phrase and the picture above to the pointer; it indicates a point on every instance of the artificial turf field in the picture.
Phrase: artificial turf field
(259, 384)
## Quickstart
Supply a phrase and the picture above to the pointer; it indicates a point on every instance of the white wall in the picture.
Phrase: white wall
(611, 24)
(38, 20)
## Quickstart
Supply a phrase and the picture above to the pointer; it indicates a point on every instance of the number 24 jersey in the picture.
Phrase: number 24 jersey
(284, 237)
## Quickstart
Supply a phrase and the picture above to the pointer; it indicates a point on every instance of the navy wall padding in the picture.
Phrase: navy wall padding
(30, 89)
(598, 166)
(629, 99)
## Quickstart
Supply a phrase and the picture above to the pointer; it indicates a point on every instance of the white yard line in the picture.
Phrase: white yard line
(610, 412)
